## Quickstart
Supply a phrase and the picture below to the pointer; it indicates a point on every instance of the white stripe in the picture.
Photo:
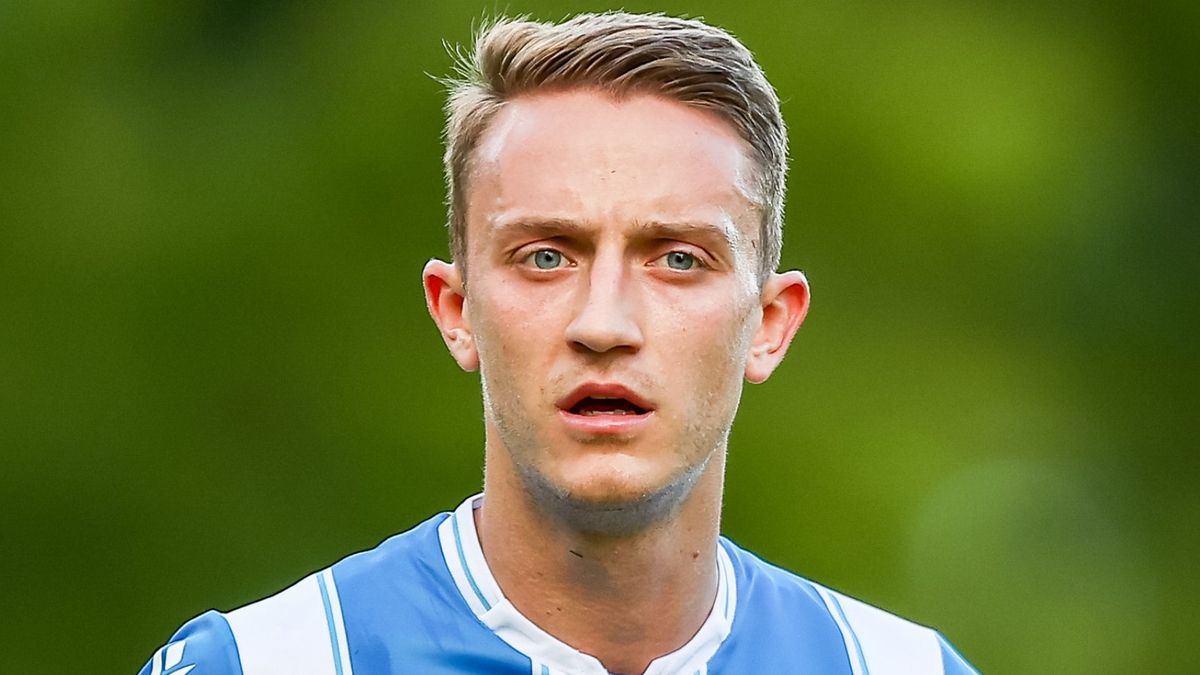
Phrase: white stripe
(891, 645)
(847, 635)
(284, 634)
(173, 655)
(454, 563)
(335, 605)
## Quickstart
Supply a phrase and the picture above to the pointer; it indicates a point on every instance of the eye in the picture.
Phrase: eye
(545, 259)
(680, 260)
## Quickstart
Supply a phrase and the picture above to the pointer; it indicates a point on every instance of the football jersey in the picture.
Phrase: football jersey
(425, 602)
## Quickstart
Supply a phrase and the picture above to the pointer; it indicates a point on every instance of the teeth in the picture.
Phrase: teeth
(617, 411)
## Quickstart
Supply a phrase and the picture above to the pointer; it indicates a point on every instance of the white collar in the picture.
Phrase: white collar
(551, 656)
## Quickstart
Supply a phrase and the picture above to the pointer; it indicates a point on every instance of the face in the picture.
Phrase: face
(612, 306)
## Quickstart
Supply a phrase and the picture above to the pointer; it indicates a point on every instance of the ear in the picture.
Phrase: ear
(446, 299)
(784, 306)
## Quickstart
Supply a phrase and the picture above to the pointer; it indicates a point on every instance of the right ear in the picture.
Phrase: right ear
(446, 299)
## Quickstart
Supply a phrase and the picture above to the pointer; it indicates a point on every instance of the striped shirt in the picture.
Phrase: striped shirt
(425, 602)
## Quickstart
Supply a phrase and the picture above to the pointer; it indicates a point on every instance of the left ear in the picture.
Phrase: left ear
(784, 306)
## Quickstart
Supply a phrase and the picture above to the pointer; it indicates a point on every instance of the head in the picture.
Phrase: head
(616, 194)
(623, 54)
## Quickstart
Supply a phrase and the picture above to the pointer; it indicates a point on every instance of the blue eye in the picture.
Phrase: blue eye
(546, 259)
(679, 260)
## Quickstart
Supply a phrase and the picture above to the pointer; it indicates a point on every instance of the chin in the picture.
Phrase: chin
(618, 497)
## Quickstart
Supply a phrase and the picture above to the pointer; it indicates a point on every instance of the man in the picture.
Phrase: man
(616, 192)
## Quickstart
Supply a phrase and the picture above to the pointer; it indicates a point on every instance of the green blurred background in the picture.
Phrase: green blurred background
(216, 371)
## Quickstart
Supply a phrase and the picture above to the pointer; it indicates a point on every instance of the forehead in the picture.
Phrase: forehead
(585, 156)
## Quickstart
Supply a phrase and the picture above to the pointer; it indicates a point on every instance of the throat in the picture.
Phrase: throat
(600, 599)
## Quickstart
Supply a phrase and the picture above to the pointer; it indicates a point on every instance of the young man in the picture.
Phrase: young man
(616, 194)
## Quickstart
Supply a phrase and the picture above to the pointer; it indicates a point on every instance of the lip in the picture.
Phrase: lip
(604, 390)
(604, 424)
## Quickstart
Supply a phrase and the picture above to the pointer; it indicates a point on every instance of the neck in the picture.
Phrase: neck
(624, 600)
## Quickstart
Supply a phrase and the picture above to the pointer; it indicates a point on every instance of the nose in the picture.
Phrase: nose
(606, 319)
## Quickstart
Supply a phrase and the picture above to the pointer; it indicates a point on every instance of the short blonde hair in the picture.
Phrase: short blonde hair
(621, 53)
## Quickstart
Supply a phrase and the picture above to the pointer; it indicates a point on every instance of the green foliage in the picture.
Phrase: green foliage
(218, 375)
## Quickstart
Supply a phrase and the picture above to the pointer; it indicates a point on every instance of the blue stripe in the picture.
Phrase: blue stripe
(721, 569)
(854, 636)
(956, 663)
(545, 670)
(462, 558)
(730, 576)
(337, 650)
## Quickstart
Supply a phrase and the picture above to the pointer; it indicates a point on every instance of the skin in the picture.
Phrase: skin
(607, 541)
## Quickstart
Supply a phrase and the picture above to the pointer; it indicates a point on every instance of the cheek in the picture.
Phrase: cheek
(514, 332)
(707, 321)
(708, 342)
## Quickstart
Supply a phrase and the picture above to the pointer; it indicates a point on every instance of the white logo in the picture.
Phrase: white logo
(167, 659)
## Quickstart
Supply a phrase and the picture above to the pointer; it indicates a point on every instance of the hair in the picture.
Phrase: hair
(620, 53)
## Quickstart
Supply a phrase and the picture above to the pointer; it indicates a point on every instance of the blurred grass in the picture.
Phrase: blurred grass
(218, 374)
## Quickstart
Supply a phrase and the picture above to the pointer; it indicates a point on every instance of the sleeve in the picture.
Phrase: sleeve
(952, 662)
(205, 644)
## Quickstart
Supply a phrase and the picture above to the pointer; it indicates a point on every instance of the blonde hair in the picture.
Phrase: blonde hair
(621, 53)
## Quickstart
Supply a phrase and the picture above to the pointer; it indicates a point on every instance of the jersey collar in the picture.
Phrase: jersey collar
(551, 656)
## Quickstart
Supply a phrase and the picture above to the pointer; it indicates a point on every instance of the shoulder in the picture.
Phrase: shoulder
(204, 642)
(302, 628)
(876, 641)
(297, 630)
(410, 554)
(885, 644)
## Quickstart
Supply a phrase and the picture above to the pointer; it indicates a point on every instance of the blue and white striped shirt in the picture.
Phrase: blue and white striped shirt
(425, 602)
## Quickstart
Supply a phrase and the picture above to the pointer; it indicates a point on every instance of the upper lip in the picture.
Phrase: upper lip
(603, 390)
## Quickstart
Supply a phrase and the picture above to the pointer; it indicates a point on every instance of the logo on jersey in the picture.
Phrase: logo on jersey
(166, 660)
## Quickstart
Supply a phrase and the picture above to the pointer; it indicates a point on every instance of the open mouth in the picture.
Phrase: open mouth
(600, 407)
(590, 406)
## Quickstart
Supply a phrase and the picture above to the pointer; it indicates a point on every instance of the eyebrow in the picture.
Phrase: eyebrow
(538, 227)
(688, 230)
(647, 229)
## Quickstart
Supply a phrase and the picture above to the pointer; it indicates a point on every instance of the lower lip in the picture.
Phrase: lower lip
(605, 424)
